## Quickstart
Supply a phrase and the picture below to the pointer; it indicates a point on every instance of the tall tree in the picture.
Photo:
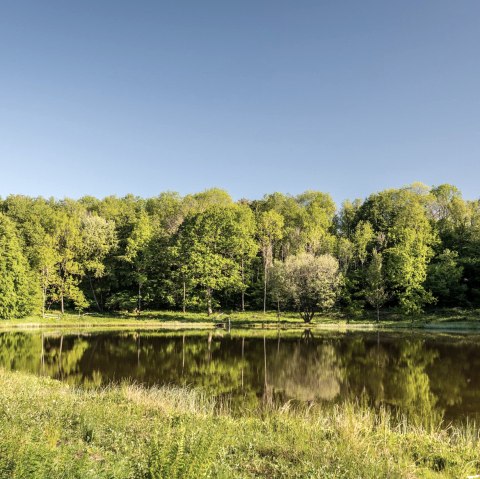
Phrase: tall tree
(136, 253)
(207, 242)
(399, 219)
(18, 288)
(67, 243)
(270, 230)
(375, 291)
(245, 245)
(97, 240)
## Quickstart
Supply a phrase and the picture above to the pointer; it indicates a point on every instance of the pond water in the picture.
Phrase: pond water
(416, 373)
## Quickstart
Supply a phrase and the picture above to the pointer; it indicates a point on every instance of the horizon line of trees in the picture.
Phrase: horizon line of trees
(405, 248)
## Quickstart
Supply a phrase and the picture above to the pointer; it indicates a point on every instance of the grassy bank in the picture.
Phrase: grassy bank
(435, 319)
(49, 430)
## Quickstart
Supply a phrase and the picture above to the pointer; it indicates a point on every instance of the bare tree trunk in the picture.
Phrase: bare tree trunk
(378, 314)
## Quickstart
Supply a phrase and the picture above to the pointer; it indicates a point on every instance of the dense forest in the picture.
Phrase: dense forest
(407, 248)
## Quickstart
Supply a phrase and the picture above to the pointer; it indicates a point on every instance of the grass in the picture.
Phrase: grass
(50, 430)
(453, 318)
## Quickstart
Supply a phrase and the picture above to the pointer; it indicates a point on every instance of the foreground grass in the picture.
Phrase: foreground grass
(49, 430)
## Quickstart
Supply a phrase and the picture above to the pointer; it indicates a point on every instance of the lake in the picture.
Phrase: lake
(419, 374)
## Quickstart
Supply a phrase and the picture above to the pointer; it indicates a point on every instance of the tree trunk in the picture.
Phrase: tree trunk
(93, 293)
(184, 309)
(139, 297)
(243, 290)
(265, 288)
(307, 316)
(44, 298)
(209, 302)
(378, 314)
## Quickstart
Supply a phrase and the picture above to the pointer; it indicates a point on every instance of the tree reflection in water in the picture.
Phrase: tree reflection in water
(423, 376)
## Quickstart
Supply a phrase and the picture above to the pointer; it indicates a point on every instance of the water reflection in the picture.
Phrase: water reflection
(424, 376)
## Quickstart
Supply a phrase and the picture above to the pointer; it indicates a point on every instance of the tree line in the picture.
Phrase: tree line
(406, 248)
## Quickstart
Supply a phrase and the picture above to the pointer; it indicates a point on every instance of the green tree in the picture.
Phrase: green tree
(136, 252)
(18, 288)
(209, 247)
(245, 246)
(405, 238)
(362, 238)
(67, 244)
(270, 230)
(311, 283)
(317, 222)
(97, 240)
(445, 279)
(375, 291)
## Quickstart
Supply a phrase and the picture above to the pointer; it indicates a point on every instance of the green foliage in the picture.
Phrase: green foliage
(212, 244)
(375, 291)
(204, 250)
(310, 282)
(445, 279)
(18, 288)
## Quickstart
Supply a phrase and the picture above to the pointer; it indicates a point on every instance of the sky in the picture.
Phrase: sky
(347, 97)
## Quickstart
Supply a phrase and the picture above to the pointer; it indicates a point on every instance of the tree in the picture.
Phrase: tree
(209, 245)
(362, 238)
(270, 225)
(276, 279)
(407, 262)
(375, 291)
(444, 279)
(311, 283)
(18, 288)
(98, 239)
(67, 243)
(399, 218)
(317, 221)
(245, 246)
(136, 252)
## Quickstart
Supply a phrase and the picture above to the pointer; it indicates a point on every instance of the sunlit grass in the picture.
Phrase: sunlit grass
(50, 430)
(453, 318)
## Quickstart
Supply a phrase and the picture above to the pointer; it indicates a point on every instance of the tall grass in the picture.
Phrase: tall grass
(50, 430)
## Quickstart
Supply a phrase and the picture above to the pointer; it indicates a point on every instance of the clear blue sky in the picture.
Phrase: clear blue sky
(349, 97)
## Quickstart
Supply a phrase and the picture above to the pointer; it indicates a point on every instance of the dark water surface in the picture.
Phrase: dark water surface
(415, 373)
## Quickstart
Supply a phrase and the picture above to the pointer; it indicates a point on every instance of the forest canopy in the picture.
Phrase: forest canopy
(404, 248)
